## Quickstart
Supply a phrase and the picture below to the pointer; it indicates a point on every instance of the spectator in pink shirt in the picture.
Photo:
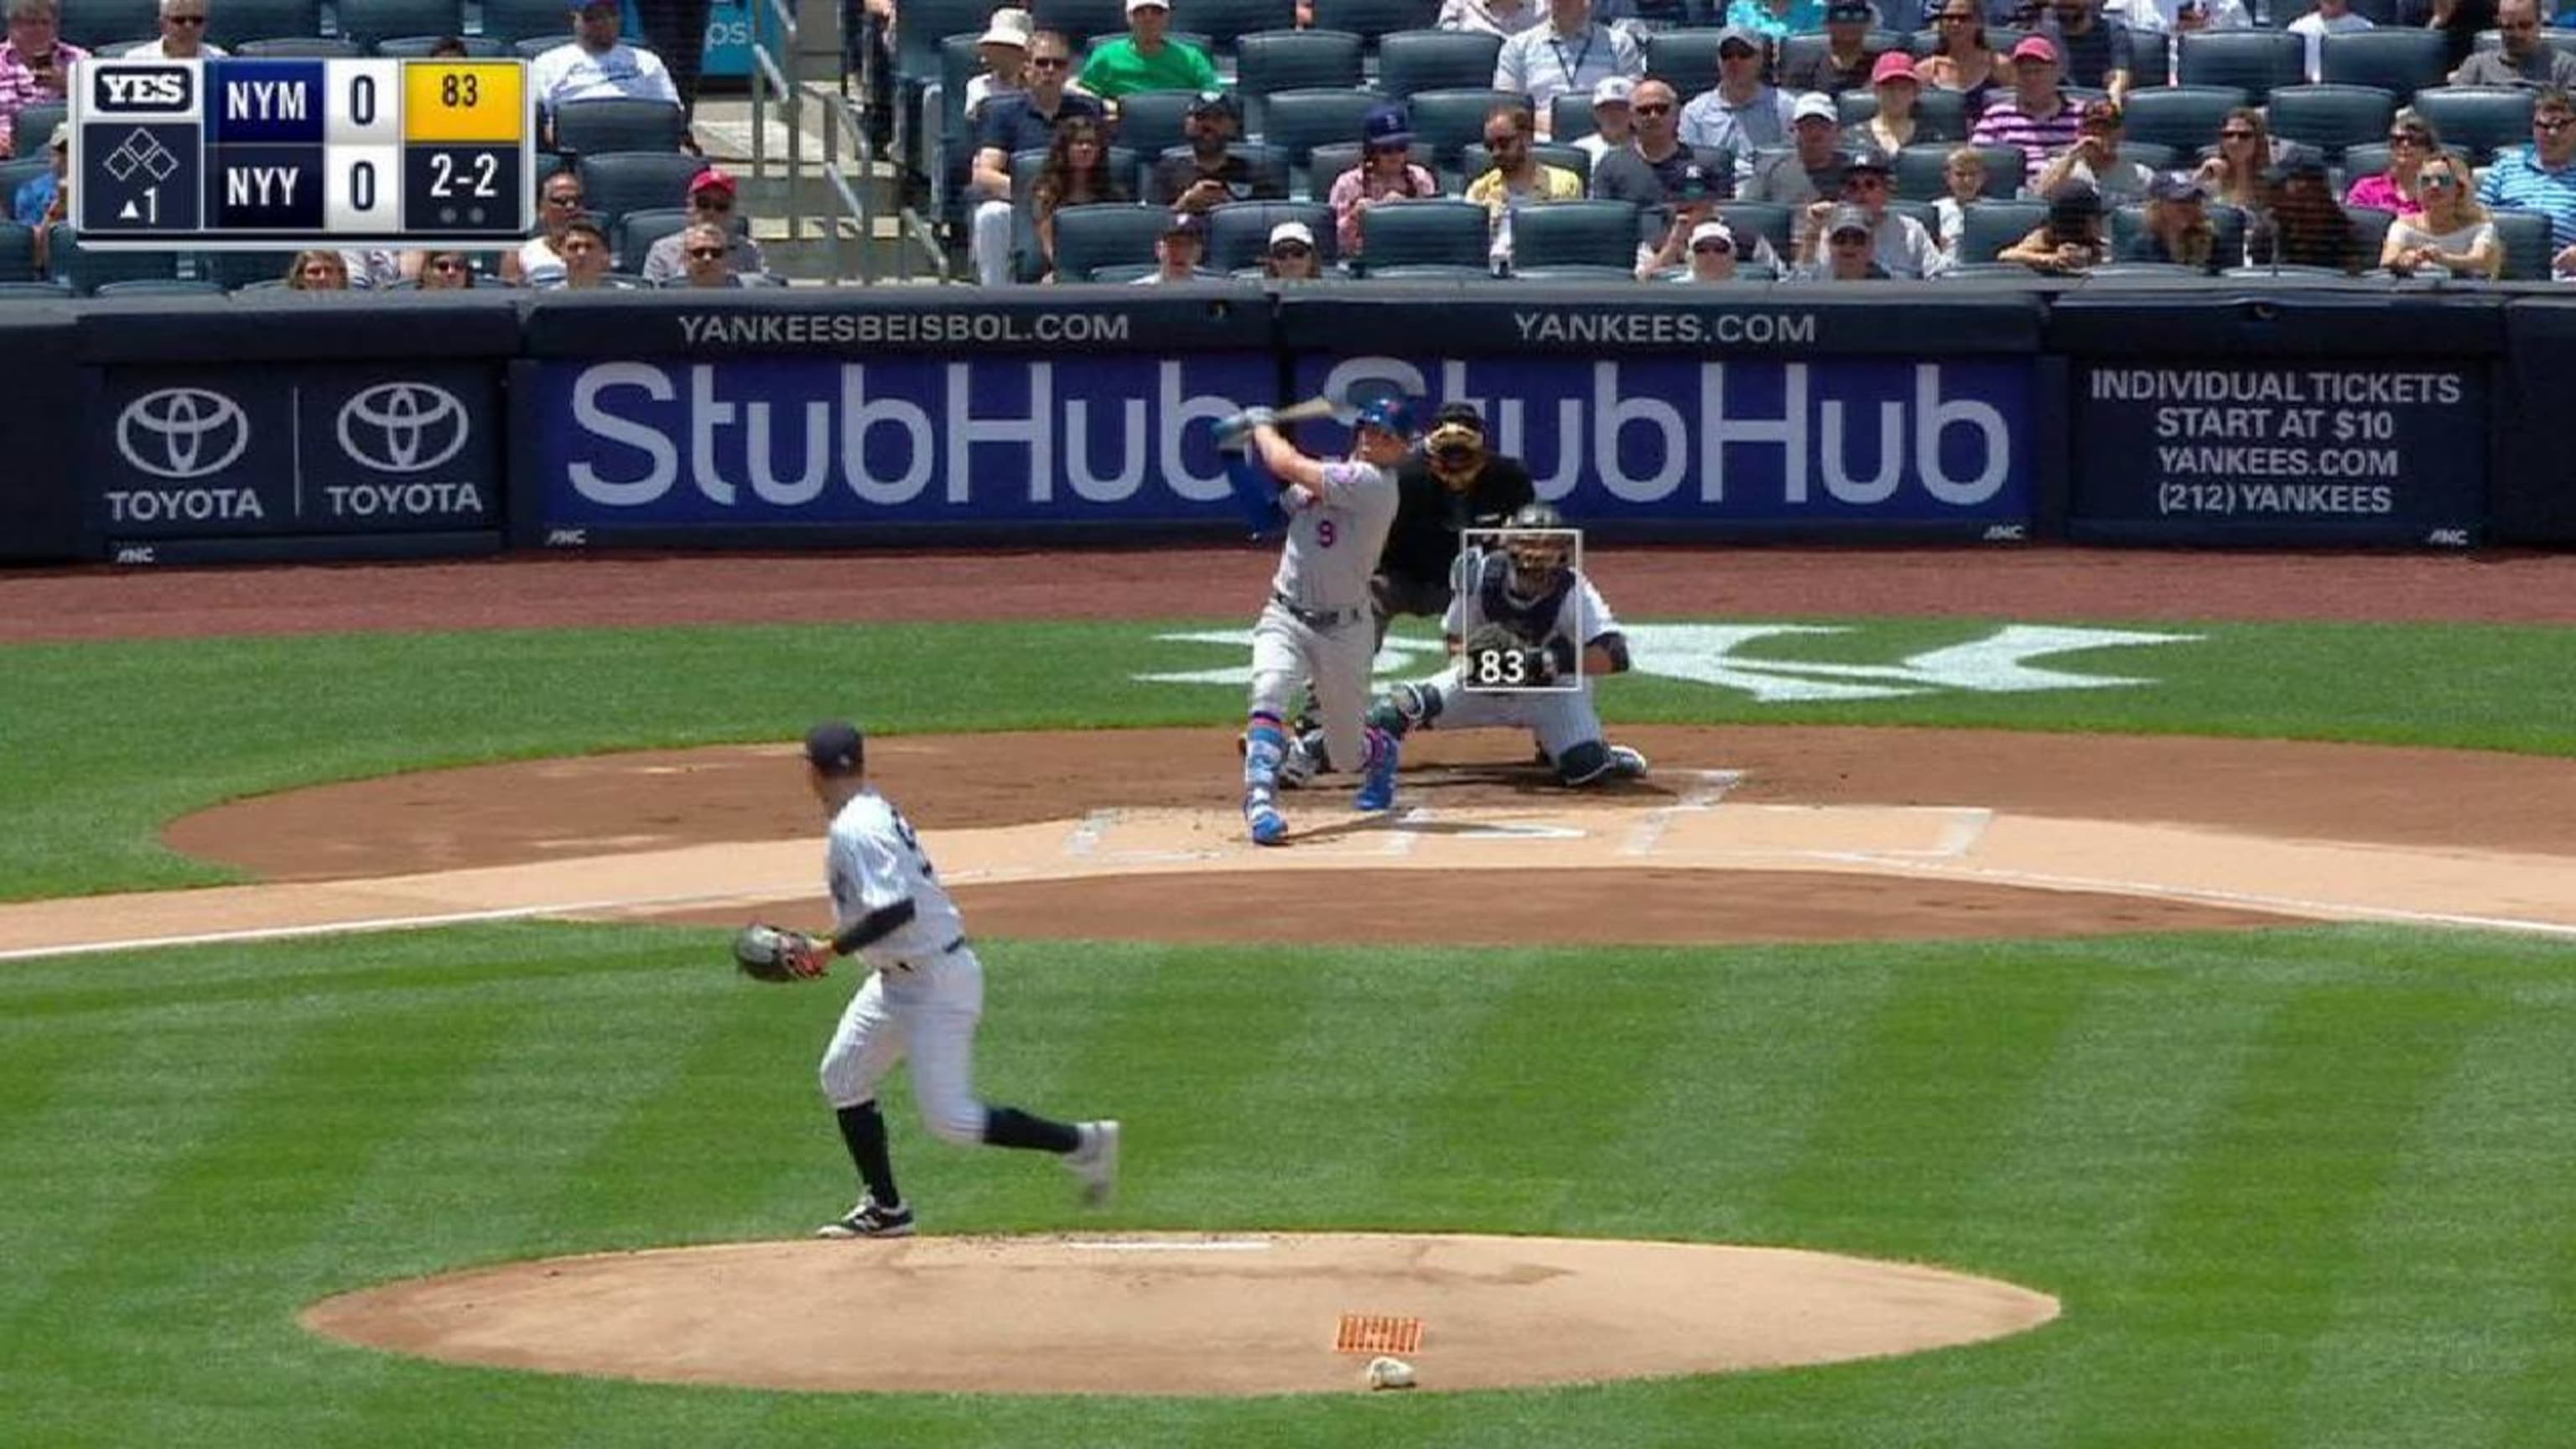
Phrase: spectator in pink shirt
(2411, 143)
(1385, 173)
(35, 64)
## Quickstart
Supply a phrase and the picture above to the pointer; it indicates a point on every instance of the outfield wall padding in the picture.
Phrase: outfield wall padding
(288, 425)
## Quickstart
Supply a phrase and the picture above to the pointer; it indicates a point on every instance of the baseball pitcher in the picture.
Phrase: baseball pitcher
(1316, 625)
(1525, 596)
(921, 1000)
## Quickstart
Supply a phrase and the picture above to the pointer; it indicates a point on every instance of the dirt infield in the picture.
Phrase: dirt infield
(1743, 834)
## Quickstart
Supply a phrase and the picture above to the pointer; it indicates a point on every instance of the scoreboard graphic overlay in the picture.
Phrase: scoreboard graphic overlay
(239, 154)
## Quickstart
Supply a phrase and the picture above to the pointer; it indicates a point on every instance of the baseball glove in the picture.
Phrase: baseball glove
(766, 953)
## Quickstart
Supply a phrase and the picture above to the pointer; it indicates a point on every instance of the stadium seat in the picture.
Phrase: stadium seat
(371, 22)
(2477, 119)
(1424, 233)
(86, 271)
(2183, 117)
(1920, 170)
(617, 124)
(2361, 161)
(1282, 60)
(33, 291)
(1686, 60)
(1221, 21)
(1433, 272)
(158, 287)
(1435, 60)
(1797, 48)
(1448, 122)
(928, 22)
(1080, 21)
(1769, 220)
(512, 21)
(1570, 117)
(2527, 244)
(1921, 213)
(2331, 118)
(1475, 161)
(1239, 231)
(1993, 225)
(235, 21)
(2253, 60)
(233, 271)
(1574, 233)
(636, 232)
(1326, 162)
(479, 47)
(2151, 57)
(1027, 257)
(1149, 122)
(300, 47)
(37, 122)
(1938, 115)
(2377, 12)
(18, 172)
(2226, 226)
(614, 183)
(1585, 272)
(1088, 238)
(90, 24)
(17, 252)
(2400, 62)
(1301, 120)
(1370, 19)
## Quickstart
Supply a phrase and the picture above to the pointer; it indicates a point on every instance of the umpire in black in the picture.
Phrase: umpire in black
(1455, 482)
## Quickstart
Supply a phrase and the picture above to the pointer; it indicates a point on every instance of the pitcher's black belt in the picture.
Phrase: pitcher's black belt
(1318, 618)
(951, 949)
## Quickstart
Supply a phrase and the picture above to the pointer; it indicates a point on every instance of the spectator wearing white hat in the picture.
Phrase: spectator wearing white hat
(1812, 170)
(1291, 255)
(1004, 49)
(1693, 211)
(1146, 58)
(1712, 254)
(1569, 55)
(1505, 18)
(1742, 113)
(1010, 125)
(1612, 119)
(1517, 177)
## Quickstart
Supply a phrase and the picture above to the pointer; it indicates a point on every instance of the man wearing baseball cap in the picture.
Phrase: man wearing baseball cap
(1004, 50)
(2095, 157)
(712, 202)
(1848, 254)
(1742, 113)
(1712, 253)
(1146, 58)
(1845, 62)
(1214, 172)
(1177, 251)
(1812, 170)
(1612, 117)
(1569, 55)
(596, 65)
(1898, 244)
(2036, 119)
(1010, 125)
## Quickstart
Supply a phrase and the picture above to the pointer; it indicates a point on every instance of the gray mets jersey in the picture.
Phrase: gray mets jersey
(1334, 538)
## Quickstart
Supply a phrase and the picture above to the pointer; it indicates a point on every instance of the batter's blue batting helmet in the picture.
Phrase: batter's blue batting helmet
(1391, 414)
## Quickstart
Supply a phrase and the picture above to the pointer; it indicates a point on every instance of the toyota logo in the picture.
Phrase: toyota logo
(403, 427)
(182, 432)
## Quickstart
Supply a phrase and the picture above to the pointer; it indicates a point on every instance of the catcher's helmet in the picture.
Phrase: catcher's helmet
(1392, 414)
(1536, 556)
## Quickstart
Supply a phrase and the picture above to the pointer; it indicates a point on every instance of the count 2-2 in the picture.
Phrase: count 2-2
(481, 177)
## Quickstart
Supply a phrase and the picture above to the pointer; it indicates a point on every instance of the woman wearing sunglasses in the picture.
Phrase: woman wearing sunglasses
(446, 272)
(2450, 235)
(2411, 143)
(1960, 59)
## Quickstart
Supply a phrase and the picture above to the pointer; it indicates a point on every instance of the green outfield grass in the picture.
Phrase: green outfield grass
(2301, 1188)
(105, 742)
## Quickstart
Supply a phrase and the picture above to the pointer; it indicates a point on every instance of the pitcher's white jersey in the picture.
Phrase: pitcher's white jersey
(874, 860)
(1334, 539)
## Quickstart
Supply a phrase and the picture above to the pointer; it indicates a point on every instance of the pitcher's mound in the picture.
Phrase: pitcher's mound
(1176, 1314)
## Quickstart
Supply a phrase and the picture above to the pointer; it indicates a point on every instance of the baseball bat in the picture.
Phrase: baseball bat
(1313, 407)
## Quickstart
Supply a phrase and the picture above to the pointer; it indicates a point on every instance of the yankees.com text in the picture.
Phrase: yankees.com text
(1668, 329)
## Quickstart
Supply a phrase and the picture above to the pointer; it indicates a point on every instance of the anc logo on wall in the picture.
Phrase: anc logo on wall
(2005, 662)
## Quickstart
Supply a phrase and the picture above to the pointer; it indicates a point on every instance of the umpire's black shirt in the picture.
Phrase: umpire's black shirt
(1423, 542)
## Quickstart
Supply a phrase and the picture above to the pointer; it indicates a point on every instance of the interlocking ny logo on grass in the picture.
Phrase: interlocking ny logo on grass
(2004, 662)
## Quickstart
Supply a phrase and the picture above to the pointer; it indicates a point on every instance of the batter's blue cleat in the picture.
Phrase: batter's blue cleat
(1377, 790)
(1269, 827)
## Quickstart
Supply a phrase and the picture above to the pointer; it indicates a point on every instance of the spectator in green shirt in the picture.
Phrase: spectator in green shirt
(1146, 60)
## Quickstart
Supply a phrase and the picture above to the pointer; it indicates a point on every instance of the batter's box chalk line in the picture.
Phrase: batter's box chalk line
(1377, 1333)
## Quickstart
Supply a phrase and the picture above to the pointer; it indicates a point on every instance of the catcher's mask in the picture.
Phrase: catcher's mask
(1455, 447)
(1537, 558)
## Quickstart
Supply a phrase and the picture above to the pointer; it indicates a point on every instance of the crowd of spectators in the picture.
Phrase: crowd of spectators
(1790, 156)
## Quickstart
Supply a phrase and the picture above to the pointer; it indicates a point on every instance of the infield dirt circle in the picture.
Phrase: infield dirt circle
(1743, 834)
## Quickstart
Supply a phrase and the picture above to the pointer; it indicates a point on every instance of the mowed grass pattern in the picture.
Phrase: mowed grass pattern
(2295, 1188)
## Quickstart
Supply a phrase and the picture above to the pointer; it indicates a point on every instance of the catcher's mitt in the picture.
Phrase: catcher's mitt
(766, 953)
